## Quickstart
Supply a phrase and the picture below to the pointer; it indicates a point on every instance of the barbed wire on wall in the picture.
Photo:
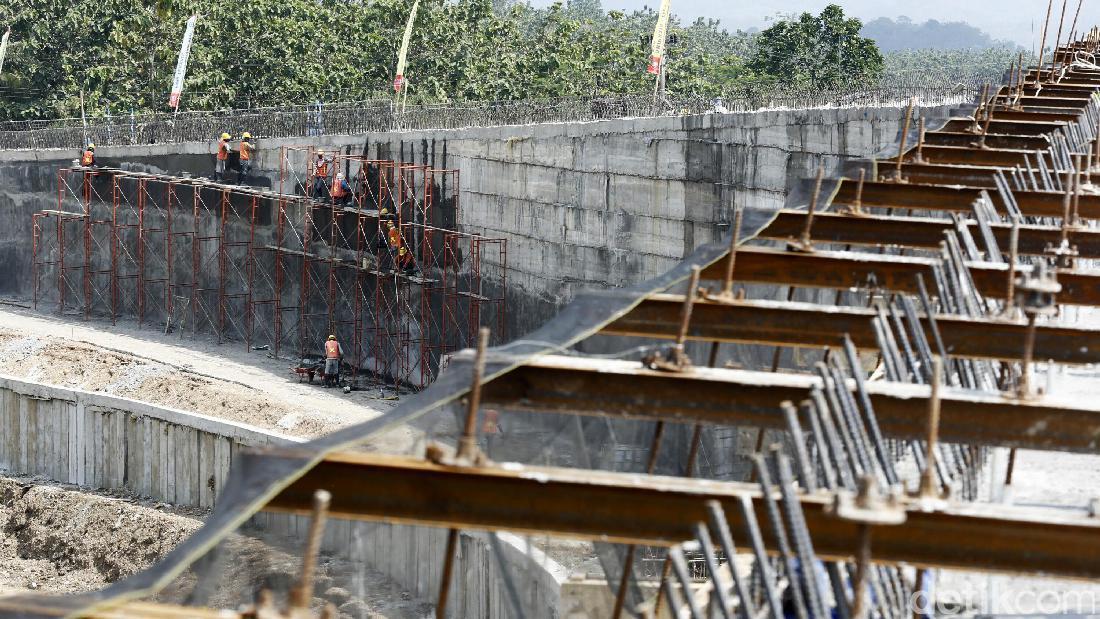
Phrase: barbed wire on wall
(356, 117)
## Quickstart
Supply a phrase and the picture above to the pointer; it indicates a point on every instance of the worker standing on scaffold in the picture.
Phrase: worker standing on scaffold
(333, 353)
(320, 176)
(246, 150)
(223, 157)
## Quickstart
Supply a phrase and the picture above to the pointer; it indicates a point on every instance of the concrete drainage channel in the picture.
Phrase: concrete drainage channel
(72, 441)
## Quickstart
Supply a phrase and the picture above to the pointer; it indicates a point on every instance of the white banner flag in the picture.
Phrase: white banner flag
(4, 48)
(399, 79)
(181, 63)
(660, 33)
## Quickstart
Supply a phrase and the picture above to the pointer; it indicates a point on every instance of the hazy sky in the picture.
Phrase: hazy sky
(1016, 20)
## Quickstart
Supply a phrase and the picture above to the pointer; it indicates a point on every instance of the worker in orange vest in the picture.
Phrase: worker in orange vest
(87, 158)
(402, 258)
(491, 429)
(320, 175)
(333, 353)
(341, 190)
(223, 157)
(246, 149)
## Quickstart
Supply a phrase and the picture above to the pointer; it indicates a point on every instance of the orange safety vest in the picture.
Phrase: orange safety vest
(88, 158)
(322, 168)
(223, 150)
(395, 238)
(332, 349)
(246, 151)
(338, 190)
(491, 425)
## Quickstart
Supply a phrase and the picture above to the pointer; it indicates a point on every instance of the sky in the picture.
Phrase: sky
(1019, 21)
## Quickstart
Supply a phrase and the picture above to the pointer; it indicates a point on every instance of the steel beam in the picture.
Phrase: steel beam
(1006, 127)
(920, 232)
(959, 155)
(953, 198)
(626, 390)
(778, 323)
(964, 139)
(653, 510)
(835, 269)
(934, 174)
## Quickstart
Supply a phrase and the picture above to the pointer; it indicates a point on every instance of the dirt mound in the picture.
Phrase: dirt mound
(64, 540)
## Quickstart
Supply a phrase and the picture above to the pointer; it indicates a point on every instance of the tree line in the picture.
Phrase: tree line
(118, 56)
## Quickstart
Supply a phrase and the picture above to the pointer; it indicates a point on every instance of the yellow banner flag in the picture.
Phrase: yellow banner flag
(399, 79)
(660, 33)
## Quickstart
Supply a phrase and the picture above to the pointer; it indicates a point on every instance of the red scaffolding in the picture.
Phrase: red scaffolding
(382, 268)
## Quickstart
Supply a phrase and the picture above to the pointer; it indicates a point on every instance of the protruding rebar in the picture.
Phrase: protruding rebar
(805, 239)
(928, 487)
(904, 137)
(1042, 44)
(467, 445)
(303, 593)
(735, 238)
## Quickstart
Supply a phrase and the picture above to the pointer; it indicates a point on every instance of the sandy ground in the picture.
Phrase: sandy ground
(196, 375)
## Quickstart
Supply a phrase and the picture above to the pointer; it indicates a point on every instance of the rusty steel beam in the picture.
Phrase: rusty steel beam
(1006, 127)
(919, 232)
(935, 174)
(809, 325)
(963, 139)
(954, 198)
(957, 155)
(654, 510)
(1042, 101)
(1049, 114)
(626, 390)
(830, 269)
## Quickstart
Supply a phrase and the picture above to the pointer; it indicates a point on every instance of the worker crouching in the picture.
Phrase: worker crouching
(87, 158)
(341, 190)
(333, 353)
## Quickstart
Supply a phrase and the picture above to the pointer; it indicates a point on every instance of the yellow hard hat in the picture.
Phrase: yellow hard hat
(246, 135)
(332, 337)
(402, 251)
(225, 136)
(91, 146)
(384, 212)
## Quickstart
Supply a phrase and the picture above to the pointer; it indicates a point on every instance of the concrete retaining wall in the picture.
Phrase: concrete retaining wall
(107, 442)
(102, 441)
(592, 204)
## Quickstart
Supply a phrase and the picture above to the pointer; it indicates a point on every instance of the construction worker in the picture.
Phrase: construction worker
(320, 175)
(223, 157)
(246, 149)
(333, 353)
(402, 259)
(491, 430)
(341, 190)
(87, 158)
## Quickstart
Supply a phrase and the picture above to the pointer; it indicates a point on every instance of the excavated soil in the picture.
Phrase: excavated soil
(61, 540)
(54, 539)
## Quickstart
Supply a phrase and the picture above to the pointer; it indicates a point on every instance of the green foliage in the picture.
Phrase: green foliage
(121, 53)
(823, 51)
(987, 64)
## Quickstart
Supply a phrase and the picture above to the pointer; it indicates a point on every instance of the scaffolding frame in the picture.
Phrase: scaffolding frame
(248, 264)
